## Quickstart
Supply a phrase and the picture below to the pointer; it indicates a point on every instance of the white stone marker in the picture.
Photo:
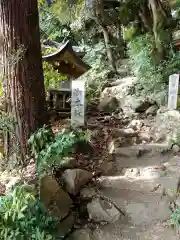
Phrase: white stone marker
(77, 103)
(173, 91)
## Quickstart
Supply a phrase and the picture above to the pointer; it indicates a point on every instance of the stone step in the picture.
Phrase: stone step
(120, 231)
(141, 150)
(144, 161)
(142, 208)
(122, 183)
(123, 197)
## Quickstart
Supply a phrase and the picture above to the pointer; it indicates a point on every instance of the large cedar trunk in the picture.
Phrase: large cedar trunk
(22, 71)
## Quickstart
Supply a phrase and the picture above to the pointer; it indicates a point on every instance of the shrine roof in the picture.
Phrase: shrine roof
(67, 60)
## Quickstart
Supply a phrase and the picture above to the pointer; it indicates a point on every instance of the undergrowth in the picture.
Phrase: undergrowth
(174, 219)
(50, 149)
(24, 217)
(152, 77)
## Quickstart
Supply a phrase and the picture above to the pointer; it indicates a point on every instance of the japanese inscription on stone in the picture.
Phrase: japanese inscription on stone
(77, 102)
(173, 91)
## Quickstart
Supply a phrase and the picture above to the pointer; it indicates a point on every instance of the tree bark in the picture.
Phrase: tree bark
(108, 48)
(161, 27)
(22, 71)
(100, 15)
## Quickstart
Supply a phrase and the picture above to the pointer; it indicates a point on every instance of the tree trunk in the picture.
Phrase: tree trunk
(161, 27)
(100, 15)
(22, 71)
(146, 17)
(108, 48)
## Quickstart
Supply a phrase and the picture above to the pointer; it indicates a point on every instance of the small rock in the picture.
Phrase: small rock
(142, 106)
(102, 211)
(82, 234)
(75, 179)
(152, 110)
(175, 148)
(88, 193)
(54, 197)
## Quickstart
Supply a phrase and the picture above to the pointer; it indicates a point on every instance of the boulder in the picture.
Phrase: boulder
(167, 124)
(75, 179)
(120, 91)
(102, 211)
(108, 104)
(56, 200)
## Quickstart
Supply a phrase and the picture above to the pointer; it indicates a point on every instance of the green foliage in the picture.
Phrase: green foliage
(52, 77)
(6, 123)
(95, 55)
(174, 139)
(152, 77)
(50, 27)
(48, 50)
(51, 150)
(22, 216)
(67, 10)
(174, 220)
(97, 75)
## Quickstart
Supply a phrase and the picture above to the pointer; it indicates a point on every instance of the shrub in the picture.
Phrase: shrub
(174, 220)
(22, 216)
(50, 150)
(98, 74)
(152, 77)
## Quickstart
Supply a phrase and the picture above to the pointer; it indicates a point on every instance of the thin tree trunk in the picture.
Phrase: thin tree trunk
(22, 71)
(146, 17)
(161, 30)
(108, 48)
(102, 22)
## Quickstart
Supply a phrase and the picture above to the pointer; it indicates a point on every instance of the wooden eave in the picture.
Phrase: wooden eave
(69, 63)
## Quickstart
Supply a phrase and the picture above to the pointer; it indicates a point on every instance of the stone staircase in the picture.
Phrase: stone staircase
(145, 183)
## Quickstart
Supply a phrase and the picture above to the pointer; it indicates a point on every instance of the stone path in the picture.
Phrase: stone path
(138, 188)
(142, 187)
